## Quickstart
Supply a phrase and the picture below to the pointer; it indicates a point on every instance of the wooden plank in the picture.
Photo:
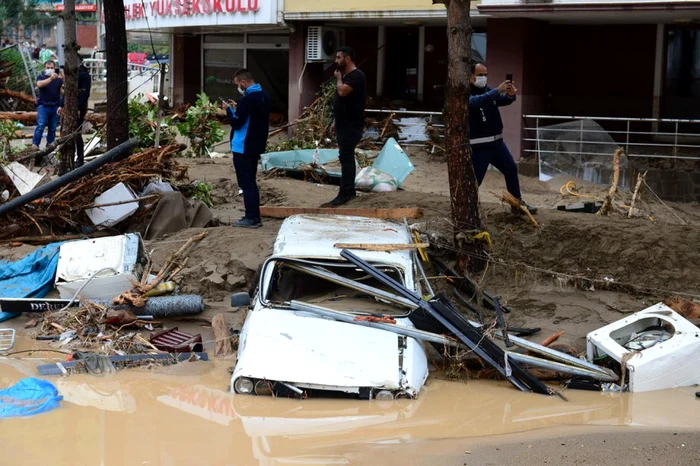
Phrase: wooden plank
(393, 214)
(381, 247)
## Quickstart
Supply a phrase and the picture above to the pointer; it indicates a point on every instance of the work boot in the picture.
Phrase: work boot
(339, 200)
(532, 210)
(247, 223)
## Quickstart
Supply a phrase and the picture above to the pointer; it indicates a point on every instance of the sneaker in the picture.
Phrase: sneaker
(247, 223)
(532, 210)
(339, 200)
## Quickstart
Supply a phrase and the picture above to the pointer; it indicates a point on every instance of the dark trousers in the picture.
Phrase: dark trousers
(498, 155)
(79, 143)
(246, 168)
(348, 138)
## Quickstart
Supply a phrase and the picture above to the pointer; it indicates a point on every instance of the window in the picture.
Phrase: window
(682, 83)
(219, 67)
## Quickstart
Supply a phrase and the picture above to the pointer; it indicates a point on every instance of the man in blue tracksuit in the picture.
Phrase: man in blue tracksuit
(486, 130)
(250, 124)
(48, 102)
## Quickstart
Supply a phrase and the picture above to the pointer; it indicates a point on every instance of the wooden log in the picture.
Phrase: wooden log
(382, 247)
(394, 214)
(56, 238)
(26, 118)
(29, 118)
(17, 95)
(222, 336)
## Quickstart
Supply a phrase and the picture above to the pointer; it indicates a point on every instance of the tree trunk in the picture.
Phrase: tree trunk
(464, 190)
(117, 73)
(70, 110)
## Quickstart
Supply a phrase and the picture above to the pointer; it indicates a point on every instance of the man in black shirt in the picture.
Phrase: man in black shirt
(349, 121)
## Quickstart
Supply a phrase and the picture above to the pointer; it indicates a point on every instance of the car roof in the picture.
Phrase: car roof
(315, 236)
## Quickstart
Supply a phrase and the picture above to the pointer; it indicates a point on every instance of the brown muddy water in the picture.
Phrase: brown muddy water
(183, 415)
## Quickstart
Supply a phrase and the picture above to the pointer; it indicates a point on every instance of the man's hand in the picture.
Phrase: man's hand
(512, 90)
(60, 110)
(338, 75)
(504, 86)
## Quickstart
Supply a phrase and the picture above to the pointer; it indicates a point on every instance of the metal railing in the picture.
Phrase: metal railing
(143, 79)
(639, 137)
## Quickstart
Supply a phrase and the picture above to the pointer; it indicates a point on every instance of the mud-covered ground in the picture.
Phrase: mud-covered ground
(575, 273)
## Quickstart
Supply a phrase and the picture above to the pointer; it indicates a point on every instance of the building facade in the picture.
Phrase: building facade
(624, 58)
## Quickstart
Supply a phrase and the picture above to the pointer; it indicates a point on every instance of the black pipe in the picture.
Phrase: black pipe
(123, 150)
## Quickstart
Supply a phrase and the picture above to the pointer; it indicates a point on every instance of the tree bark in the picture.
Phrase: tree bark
(117, 73)
(464, 190)
(69, 114)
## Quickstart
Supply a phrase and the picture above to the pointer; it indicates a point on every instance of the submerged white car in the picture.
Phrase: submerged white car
(300, 337)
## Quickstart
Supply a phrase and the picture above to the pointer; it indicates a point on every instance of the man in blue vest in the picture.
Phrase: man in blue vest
(250, 124)
(49, 83)
(486, 131)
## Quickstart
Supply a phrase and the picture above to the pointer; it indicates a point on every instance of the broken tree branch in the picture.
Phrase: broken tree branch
(608, 203)
(640, 178)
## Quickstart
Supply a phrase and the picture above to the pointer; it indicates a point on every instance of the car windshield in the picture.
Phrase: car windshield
(298, 280)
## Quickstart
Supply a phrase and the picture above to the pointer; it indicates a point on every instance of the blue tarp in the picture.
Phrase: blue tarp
(28, 397)
(30, 277)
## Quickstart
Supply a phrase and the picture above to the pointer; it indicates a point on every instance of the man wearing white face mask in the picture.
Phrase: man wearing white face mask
(250, 123)
(486, 130)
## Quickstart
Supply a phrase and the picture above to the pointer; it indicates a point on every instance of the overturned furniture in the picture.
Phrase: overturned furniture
(656, 347)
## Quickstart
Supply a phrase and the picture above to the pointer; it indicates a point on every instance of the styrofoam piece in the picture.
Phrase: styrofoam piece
(24, 179)
(111, 215)
(668, 364)
(394, 161)
(78, 260)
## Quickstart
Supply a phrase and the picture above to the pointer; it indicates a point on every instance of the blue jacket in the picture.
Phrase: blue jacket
(50, 95)
(484, 116)
(250, 122)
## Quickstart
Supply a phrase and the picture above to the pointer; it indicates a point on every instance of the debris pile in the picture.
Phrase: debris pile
(68, 209)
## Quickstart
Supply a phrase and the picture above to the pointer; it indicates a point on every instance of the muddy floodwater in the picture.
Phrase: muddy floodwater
(183, 415)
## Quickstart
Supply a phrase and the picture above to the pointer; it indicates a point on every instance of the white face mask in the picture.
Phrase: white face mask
(480, 82)
(242, 91)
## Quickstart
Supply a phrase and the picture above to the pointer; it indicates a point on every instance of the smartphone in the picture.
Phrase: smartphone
(509, 77)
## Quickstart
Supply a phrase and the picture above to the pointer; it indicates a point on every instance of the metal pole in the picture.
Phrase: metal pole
(675, 141)
(627, 143)
(393, 328)
(119, 152)
(160, 103)
(559, 367)
(32, 83)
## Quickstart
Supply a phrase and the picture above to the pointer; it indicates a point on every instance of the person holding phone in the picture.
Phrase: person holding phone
(49, 82)
(486, 130)
(250, 123)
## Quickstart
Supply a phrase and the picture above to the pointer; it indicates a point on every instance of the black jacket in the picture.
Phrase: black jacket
(484, 116)
(250, 122)
(84, 86)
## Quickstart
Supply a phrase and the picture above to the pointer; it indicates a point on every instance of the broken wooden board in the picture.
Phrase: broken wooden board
(393, 214)
(382, 247)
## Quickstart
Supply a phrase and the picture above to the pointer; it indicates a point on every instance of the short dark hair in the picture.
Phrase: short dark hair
(348, 52)
(49, 62)
(244, 74)
(473, 66)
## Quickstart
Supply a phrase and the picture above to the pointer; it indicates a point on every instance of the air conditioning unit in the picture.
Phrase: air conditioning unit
(322, 43)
